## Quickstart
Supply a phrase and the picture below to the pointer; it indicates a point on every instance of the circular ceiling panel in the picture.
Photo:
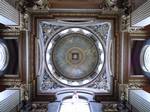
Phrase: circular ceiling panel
(74, 56)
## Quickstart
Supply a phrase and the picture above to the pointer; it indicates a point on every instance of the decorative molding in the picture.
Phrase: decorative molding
(133, 29)
(101, 82)
(123, 92)
(24, 90)
(110, 107)
(132, 84)
(39, 107)
(24, 23)
(48, 83)
(125, 22)
(127, 27)
(40, 5)
(137, 83)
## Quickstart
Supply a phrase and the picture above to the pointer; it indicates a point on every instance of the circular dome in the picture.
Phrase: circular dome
(4, 56)
(74, 56)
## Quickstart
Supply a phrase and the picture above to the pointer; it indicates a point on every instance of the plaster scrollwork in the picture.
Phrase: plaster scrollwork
(41, 4)
(48, 83)
(133, 29)
(48, 29)
(125, 22)
(25, 5)
(110, 107)
(126, 25)
(123, 91)
(125, 88)
(25, 21)
(103, 30)
(101, 83)
(108, 5)
(24, 89)
(22, 26)
(14, 84)
(133, 84)
(39, 107)
(136, 84)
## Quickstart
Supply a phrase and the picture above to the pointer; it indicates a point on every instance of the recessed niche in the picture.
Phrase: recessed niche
(136, 48)
(11, 56)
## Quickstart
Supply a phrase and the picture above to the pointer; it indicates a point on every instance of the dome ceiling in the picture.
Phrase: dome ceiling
(74, 54)
(70, 53)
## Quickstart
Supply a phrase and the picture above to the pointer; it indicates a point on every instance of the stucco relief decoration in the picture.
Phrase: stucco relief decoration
(102, 30)
(48, 83)
(65, 56)
(48, 29)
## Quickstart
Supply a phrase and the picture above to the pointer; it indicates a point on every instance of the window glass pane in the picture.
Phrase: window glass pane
(4, 56)
(147, 58)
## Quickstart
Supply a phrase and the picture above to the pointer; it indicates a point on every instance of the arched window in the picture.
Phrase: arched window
(4, 56)
(145, 58)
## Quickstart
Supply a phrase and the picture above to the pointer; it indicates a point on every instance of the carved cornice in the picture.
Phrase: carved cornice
(138, 83)
(24, 23)
(110, 107)
(133, 29)
(132, 84)
(39, 107)
(109, 5)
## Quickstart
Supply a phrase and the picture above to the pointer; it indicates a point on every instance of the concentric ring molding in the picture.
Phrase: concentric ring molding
(83, 65)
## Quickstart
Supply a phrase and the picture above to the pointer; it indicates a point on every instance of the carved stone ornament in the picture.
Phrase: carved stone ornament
(133, 29)
(136, 84)
(24, 24)
(125, 22)
(24, 88)
(133, 84)
(39, 107)
(110, 107)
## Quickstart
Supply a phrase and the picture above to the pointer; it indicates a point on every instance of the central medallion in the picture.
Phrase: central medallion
(74, 56)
